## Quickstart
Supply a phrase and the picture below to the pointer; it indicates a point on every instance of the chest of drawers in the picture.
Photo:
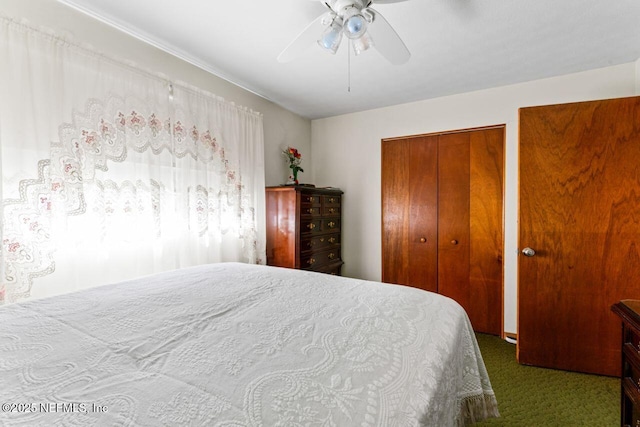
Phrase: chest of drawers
(304, 228)
(629, 312)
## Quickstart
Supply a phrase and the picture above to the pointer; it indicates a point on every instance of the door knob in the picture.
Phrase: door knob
(454, 242)
(423, 240)
(528, 252)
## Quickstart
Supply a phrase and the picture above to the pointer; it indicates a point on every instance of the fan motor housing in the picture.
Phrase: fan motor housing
(340, 6)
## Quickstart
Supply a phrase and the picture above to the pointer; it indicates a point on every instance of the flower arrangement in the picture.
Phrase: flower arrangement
(294, 158)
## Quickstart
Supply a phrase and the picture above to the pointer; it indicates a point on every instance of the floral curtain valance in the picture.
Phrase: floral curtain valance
(110, 172)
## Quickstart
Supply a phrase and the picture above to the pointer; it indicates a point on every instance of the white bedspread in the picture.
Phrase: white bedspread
(241, 345)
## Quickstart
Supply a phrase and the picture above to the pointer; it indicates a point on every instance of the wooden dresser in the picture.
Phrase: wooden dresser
(304, 228)
(629, 312)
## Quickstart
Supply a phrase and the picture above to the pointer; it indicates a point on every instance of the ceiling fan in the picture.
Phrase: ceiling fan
(362, 25)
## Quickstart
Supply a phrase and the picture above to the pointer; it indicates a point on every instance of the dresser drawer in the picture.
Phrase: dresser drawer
(316, 243)
(310, 200)
(334, 239)
(332, 255)
(331, 224)
(310, 225)
(635, 416)
(314, 260)
(628, 311)
(309, 210)
(331, 210)
(631, 397)
(631, 364)
(331, 201)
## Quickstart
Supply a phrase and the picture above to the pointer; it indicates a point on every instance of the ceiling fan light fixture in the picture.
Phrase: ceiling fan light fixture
(363, 43)
(357, 20)
(331, 37)
(355, 25)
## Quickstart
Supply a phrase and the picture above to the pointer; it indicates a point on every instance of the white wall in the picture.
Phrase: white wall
(346, 153)
(281, 127)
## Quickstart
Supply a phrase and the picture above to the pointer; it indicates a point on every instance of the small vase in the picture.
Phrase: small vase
(295, 176)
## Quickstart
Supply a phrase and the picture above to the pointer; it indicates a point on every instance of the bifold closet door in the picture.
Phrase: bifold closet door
(470, 231)
(442, 218)
(453, 217)
(409, 205)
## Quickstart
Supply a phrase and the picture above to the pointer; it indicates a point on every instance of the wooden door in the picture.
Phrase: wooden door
(409, 203)
(453, 217)
(470, 223)
(445, 216)
(580, 211)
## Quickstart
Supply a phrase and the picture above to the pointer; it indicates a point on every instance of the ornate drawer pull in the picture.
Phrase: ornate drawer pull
(332, 239)
(311, 226)
(311, 199)
(331, 224)
(332, 256)
(310, 210)
(311, 261)
(332, 200)
(332, 210)
(311, 243)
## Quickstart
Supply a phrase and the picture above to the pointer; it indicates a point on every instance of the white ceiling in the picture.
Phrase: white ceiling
(457, 45)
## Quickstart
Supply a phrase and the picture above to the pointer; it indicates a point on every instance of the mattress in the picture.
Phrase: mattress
(233, 344)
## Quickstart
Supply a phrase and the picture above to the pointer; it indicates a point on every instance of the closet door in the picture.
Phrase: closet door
(453, 217)
(409, 206)
(442, 218)
(486, 231)
(470, 236)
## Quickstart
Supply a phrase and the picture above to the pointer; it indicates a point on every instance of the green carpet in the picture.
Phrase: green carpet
(533, 397)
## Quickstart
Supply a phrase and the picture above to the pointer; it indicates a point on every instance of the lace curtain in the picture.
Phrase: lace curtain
(110, 172)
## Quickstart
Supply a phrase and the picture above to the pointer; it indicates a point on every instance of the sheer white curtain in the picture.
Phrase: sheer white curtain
(110, 172)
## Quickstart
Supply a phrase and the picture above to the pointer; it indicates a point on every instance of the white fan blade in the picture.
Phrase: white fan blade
(387, 1)
(309, 35)
(387, 41)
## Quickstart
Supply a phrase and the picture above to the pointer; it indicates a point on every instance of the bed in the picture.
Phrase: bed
(234, 345)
